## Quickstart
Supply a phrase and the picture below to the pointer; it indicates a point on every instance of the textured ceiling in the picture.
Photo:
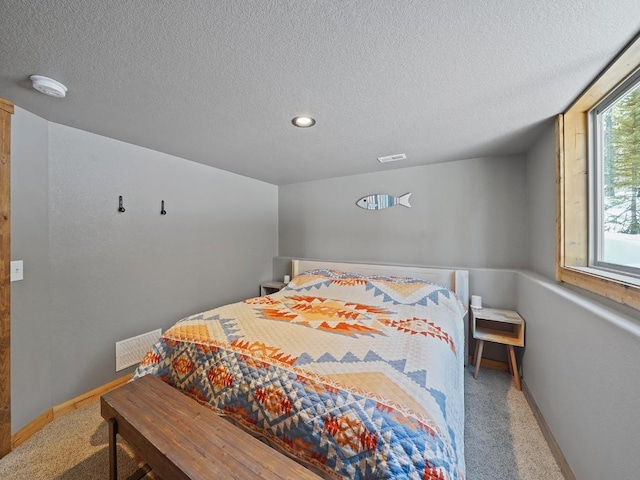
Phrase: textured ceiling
(218, 82)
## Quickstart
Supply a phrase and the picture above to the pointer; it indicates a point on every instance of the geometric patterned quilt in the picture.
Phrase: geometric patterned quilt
(359, 376)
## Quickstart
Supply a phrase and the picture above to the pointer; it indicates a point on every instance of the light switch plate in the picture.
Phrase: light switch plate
(17, 270)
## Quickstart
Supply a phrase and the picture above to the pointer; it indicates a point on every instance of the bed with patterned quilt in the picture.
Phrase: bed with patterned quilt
(356, 376)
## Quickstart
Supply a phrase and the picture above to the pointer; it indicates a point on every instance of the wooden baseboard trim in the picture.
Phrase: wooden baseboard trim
(88, 397)
(546, 432)
(31, 428)
(47, 417)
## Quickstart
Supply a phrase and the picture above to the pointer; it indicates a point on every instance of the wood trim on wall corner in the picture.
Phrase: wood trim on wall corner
(548, 435)
(6, 109)
(6, 106)
(58, 411)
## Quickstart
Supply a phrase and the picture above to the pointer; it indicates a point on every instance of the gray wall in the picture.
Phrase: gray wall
(541, 190)
(582, 359)
(31, 347)
(582, 366)
(114, 275)
(470, 213)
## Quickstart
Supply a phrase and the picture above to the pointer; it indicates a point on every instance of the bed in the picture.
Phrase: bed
(354, 370)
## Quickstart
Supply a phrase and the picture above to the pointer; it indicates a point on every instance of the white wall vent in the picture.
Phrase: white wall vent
(132, 350)
(392, 158)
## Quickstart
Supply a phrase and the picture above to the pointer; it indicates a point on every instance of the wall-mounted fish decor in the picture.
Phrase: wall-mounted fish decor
(381, 200)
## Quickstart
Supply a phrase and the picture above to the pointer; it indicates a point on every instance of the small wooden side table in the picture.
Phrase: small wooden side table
(499, 326)
(267, 288)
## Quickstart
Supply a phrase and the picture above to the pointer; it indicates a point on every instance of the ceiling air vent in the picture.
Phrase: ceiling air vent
(392, 158)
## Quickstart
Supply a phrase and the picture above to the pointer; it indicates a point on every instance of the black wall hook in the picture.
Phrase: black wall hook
(163, 211)
(120, 208)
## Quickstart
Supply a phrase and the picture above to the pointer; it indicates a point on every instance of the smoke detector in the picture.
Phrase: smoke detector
(48, 86)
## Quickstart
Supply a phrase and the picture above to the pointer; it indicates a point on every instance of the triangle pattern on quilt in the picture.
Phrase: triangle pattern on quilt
(349, 358)
(418, 376)
(303, 359)
(326, 357)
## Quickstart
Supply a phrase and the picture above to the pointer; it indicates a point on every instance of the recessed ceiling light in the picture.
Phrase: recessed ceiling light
(48, 86)
(303, 121)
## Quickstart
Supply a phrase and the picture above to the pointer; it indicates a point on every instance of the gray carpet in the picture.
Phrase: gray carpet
(72, 447)
(502, 441)
(502, 438)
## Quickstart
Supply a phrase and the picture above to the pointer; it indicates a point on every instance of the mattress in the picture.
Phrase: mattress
(357, 376)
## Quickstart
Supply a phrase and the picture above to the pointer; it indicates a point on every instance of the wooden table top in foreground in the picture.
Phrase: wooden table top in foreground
(181, 439)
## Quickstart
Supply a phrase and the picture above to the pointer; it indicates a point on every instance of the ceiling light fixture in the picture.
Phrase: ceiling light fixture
(48, 86)
(303, 121)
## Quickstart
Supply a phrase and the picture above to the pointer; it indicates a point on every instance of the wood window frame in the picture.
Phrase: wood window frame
(572, 161)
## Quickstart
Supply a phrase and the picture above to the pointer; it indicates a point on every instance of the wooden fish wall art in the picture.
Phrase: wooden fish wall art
(380, 201)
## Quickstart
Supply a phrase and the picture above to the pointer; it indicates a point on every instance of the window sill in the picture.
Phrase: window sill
(613, 276)
(619, 288)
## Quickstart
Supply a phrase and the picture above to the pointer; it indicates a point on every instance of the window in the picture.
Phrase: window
(598, 173)
(615, 180)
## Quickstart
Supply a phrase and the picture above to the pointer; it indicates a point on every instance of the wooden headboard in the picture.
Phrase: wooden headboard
(455, 280)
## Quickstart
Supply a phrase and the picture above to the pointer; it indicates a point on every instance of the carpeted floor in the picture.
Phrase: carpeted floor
(73, 447)
(502, 438)
(502, 441)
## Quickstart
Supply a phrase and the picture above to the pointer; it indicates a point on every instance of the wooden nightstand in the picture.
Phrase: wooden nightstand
(499, 326)
(267, 288)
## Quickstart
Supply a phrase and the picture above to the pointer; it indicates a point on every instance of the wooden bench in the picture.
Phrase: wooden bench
(181, 439)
